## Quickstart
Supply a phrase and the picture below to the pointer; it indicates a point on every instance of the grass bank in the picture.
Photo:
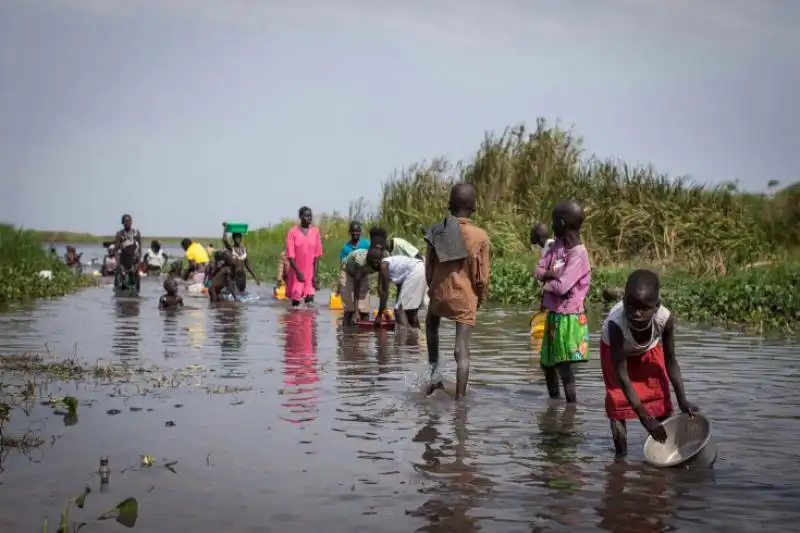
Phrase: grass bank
(22, 257)
(724, 255)
(71, 237)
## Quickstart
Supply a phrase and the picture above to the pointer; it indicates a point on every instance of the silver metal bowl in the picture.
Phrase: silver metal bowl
(689, 443)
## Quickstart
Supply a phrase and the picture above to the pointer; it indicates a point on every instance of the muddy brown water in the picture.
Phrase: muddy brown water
(334, 437)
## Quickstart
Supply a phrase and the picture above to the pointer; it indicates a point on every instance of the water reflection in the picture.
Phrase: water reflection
(127, 336)
(635, 499)
(457, 488)
(300, 373)
(196, 328)
(229, 326)
(170, 331)
(557, 445)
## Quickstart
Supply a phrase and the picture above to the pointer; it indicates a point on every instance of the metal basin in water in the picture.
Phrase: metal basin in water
(689, 443)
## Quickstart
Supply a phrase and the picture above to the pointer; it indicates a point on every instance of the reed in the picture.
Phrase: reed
(22, 257)
(635, 216)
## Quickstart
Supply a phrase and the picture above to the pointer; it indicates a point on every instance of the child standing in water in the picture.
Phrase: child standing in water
(170, 300)
(565, 272)
(457, 271)
(637, 356)
(303, 251)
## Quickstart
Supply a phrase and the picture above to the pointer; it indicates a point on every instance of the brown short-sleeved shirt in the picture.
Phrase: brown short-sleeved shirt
(457, 287)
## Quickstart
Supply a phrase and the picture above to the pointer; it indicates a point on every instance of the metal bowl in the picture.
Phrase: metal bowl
(688, 443)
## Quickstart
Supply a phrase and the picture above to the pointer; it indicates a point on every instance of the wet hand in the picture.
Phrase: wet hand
(378, 321)
(547, 276)
(654, 428)
(688, 408)
(300, 277)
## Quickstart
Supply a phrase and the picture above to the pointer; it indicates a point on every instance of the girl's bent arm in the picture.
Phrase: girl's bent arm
(542, 267)
(576, 266)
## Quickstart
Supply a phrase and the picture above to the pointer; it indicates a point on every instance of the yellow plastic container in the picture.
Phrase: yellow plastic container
(388, 314)
(537, 324)
(336, 303)
(280, 292)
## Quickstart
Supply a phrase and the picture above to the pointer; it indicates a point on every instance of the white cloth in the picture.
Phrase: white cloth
(403, 247)
(154, 259)
(414, 288)
(547, 244)
(400, 267)
(630, 346)
(239, 253)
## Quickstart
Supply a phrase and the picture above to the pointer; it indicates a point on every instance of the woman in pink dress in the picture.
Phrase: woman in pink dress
(303, 250)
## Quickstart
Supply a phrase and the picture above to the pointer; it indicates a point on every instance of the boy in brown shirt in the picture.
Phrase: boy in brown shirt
(457, 268)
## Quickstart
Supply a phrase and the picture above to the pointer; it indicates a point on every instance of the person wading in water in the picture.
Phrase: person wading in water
(457, 270)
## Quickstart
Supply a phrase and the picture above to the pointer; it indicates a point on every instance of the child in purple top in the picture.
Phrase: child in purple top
(565, 272)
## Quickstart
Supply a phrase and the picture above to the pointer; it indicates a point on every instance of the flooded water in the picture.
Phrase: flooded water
(296, 426)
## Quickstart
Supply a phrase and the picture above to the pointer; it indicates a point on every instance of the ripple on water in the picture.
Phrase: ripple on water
(294, 424)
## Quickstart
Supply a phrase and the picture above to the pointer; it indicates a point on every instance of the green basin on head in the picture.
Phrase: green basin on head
(236, 227)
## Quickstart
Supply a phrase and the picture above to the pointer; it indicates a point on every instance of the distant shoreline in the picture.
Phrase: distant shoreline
(71, 237)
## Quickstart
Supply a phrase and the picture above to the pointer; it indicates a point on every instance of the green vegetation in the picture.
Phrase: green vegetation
(72, 237)
(22, 257)
(724, 255)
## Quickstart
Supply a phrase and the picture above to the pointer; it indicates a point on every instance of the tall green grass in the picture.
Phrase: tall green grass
(22, 257)
(635, 216)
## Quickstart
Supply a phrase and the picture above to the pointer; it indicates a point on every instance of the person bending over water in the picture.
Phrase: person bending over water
(406, 272)
(198, 260)
(223, 276)
(637, 357)
(457, 270)
(355, 292)
(303, 251)
(239, 253)
(355, 242)
(565, 273)
(154, 259)
(171, 299)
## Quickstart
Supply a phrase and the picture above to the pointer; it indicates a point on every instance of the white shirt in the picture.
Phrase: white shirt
(630, 346)
(400, 266)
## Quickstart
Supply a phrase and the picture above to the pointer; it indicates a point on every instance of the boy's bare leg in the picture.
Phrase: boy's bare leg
(463, 337)
(432, 323)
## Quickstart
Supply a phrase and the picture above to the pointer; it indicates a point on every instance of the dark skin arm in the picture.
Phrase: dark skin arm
(673, 369)
(383, 291)
(189, 269)
(316, 269)
(620, 362)
(162, 302)
(250, 270)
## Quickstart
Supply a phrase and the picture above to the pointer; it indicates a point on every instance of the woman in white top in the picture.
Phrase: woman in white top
(239, 253)
(637, 356)
(409, 274)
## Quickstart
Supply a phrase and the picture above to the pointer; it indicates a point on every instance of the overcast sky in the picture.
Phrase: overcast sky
(186, 113)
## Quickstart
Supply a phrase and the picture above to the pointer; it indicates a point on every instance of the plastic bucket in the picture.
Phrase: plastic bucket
(280, 292)
(336, 303)
(537, 324)
(236, 227)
